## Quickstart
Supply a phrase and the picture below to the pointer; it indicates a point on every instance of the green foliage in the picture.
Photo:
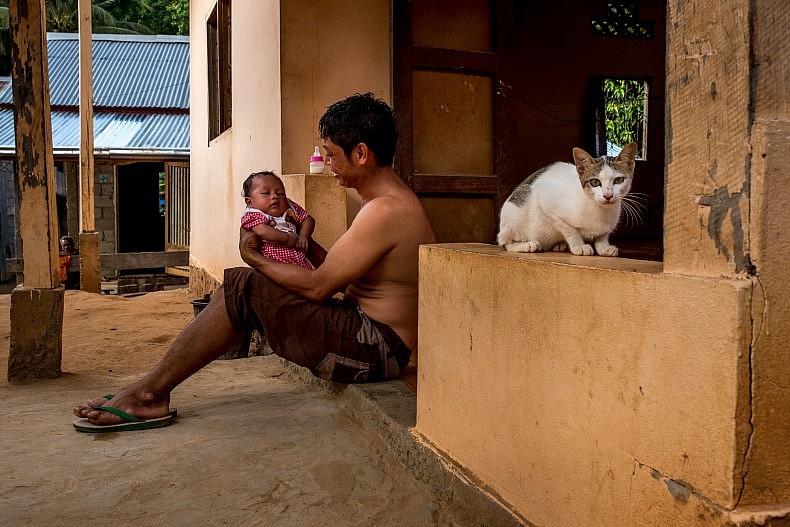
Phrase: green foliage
(624, 106)
(163, 17)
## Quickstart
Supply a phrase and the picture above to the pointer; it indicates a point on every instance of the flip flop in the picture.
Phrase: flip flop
(109, 396)
(131, 422)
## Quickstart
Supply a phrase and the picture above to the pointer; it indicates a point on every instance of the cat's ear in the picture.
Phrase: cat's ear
(627, 155)
(582, 160)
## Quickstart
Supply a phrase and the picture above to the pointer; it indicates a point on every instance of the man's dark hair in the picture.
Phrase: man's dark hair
(361, 118)
(245, 188)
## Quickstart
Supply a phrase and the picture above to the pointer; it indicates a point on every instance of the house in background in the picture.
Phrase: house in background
(649, 390)
(141, 143)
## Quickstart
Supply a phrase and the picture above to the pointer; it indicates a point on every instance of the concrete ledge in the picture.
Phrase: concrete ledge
(390, 409)
(585, 390)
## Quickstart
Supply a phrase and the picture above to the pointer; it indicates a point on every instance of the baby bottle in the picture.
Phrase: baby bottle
(316, 162)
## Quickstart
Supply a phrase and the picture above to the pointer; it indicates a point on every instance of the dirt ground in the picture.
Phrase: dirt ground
(252, 445)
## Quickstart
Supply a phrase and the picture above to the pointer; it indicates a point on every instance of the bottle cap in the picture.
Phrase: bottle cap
(316, 156)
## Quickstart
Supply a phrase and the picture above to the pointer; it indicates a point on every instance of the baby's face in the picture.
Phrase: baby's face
(267, 194)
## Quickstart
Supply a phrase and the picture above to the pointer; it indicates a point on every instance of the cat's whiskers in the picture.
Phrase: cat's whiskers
(632, 209)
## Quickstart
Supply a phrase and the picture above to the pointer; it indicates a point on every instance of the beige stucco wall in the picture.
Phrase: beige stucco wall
(290, 61)
(728, 132)
(557, 381)
(767, 470)
(330, 50)
(217, 169)
(582, 392)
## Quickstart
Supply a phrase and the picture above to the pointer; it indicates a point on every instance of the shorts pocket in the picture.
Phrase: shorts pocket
(344, 370)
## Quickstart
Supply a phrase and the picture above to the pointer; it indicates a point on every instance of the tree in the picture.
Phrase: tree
(131, 17)
(62, 17)
(624, 108)
(164, 17)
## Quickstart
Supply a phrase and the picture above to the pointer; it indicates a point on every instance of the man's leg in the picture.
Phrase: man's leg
(205, 337)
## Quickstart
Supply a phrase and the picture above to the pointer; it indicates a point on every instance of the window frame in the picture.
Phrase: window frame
(220, 90)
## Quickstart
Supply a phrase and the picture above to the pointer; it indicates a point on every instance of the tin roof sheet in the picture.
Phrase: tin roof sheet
(129, 71)
(140, 93)
(119, 132)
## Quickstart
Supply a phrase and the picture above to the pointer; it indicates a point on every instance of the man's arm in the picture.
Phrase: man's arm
(360, 248)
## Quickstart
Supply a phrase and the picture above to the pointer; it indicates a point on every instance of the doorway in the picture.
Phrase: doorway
(141, 217)
(488, 91)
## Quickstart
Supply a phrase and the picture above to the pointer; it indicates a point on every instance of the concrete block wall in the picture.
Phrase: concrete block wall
(104, 206)
(7, 217)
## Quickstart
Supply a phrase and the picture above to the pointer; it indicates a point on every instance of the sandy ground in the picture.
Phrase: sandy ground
(251, 446)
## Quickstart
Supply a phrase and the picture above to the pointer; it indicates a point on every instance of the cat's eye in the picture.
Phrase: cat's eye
(595, 182)
(619, 180)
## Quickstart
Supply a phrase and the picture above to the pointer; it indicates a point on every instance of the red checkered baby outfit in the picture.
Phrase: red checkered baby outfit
(252, 217)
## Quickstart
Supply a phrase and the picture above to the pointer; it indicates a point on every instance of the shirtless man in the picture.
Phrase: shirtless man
(366, 336)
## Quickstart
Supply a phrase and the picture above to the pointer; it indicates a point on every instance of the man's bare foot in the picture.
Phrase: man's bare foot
(134, 400)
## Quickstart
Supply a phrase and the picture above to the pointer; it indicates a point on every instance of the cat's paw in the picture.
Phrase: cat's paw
(606, 250)
(583, 250)
(560, 247)
(524, 247)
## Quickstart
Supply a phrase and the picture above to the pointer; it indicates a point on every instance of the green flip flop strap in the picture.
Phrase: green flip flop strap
(120, 413)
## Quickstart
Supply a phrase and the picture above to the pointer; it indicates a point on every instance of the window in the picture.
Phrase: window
(218, 37)
(176, 192)
(621, 116)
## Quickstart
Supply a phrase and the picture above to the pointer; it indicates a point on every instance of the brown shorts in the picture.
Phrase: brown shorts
(335, 340)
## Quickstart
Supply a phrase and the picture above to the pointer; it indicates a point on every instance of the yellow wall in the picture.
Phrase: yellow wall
(555, 380)
(330, 50)
(217, 169)
(290, 61)
(594, 391)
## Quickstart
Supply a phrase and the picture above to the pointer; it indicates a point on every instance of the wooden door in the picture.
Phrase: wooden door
(445, 85)
(176, 198)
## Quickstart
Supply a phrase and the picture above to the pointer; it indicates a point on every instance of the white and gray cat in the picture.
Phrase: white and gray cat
(563, 206)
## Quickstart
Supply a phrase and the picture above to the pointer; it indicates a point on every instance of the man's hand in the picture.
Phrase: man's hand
(249, 245)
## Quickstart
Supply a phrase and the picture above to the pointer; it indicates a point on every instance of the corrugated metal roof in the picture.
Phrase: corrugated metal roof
(140, 94)
(129, 71)
(113, 131)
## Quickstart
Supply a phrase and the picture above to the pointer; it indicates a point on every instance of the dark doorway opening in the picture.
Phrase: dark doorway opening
(482, 101)
(141, 220)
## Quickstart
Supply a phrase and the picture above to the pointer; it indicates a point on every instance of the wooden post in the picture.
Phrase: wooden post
(90, 266)
(36, 305)
(35, 166)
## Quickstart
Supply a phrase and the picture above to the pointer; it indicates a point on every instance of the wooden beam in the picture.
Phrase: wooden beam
(35, 167)
(144, 260)
(36, 339)
(86, 115)
(90, 271)
(454, 184)
(111, 262)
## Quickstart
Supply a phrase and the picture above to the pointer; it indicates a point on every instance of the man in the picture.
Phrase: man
(367, 336)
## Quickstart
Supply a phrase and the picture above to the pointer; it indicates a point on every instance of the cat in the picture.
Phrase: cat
(563, 206)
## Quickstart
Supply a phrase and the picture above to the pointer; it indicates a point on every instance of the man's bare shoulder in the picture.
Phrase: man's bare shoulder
(397, 211)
